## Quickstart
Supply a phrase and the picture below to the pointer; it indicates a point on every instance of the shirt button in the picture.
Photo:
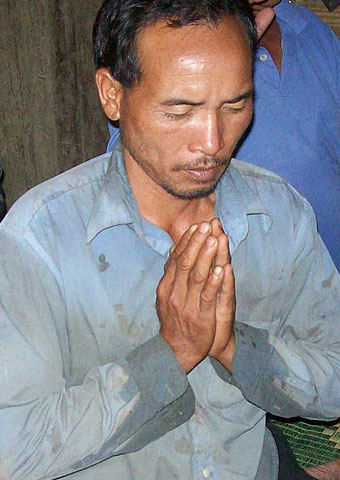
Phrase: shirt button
(206, 472)
(263, 57)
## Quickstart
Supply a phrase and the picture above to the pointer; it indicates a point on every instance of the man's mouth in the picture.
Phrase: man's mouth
(204, 174)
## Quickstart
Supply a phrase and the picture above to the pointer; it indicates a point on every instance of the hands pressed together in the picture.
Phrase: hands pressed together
(196, 297)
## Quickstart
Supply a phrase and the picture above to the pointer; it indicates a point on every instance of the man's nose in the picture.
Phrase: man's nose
(208, 138)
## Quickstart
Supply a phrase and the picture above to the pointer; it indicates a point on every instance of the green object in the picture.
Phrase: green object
(312, 443)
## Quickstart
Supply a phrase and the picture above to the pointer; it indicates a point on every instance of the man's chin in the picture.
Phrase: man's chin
(191, 194)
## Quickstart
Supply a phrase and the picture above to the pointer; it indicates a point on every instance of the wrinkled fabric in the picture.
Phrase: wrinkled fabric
(89, 389)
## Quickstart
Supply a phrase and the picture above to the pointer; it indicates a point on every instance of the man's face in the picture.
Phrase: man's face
(181, 122)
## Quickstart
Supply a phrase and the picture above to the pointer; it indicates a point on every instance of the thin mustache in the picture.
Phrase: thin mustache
(207, 162)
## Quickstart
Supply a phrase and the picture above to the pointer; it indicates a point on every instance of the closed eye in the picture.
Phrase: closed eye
(176, 115)
(235, 107)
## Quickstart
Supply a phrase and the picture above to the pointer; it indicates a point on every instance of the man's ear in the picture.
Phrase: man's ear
(110, 93)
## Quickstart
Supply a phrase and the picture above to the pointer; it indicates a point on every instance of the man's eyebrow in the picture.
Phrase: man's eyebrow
(182, 101)
(242, 96)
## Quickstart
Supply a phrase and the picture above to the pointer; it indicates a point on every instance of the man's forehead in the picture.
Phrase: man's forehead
(198, 63)
(161, 43)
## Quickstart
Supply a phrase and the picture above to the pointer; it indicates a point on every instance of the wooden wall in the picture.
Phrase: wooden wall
(50, 115)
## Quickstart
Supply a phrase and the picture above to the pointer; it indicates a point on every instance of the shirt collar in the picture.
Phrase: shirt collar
(235, 201)
(116, 204)
(292, 15)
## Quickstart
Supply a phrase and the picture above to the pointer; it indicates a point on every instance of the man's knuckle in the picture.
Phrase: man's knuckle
(196, 276)
(207, 296)
(184, 263)
(174, 301)
(175, 254)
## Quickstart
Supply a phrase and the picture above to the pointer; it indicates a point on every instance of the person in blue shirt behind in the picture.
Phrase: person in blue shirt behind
(296, 126)
(157, 302)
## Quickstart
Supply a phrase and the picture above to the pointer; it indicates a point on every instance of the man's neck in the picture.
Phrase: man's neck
(175, 215)
(271, 40)
(172, 214)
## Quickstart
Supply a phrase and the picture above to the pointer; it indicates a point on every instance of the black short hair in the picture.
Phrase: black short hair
(119, 22)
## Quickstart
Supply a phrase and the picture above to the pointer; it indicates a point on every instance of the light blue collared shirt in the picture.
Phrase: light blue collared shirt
(88, 387)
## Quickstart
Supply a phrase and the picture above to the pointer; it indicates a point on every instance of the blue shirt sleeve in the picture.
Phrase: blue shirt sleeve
(45, 422)
(294, 370)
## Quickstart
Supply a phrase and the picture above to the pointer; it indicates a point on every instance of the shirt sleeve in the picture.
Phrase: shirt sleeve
(49, 428)
(294, 370)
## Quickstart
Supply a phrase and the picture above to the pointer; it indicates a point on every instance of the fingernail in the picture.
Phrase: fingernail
(217, 271)
(193, 228)
(172, 249)
(204, 227)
